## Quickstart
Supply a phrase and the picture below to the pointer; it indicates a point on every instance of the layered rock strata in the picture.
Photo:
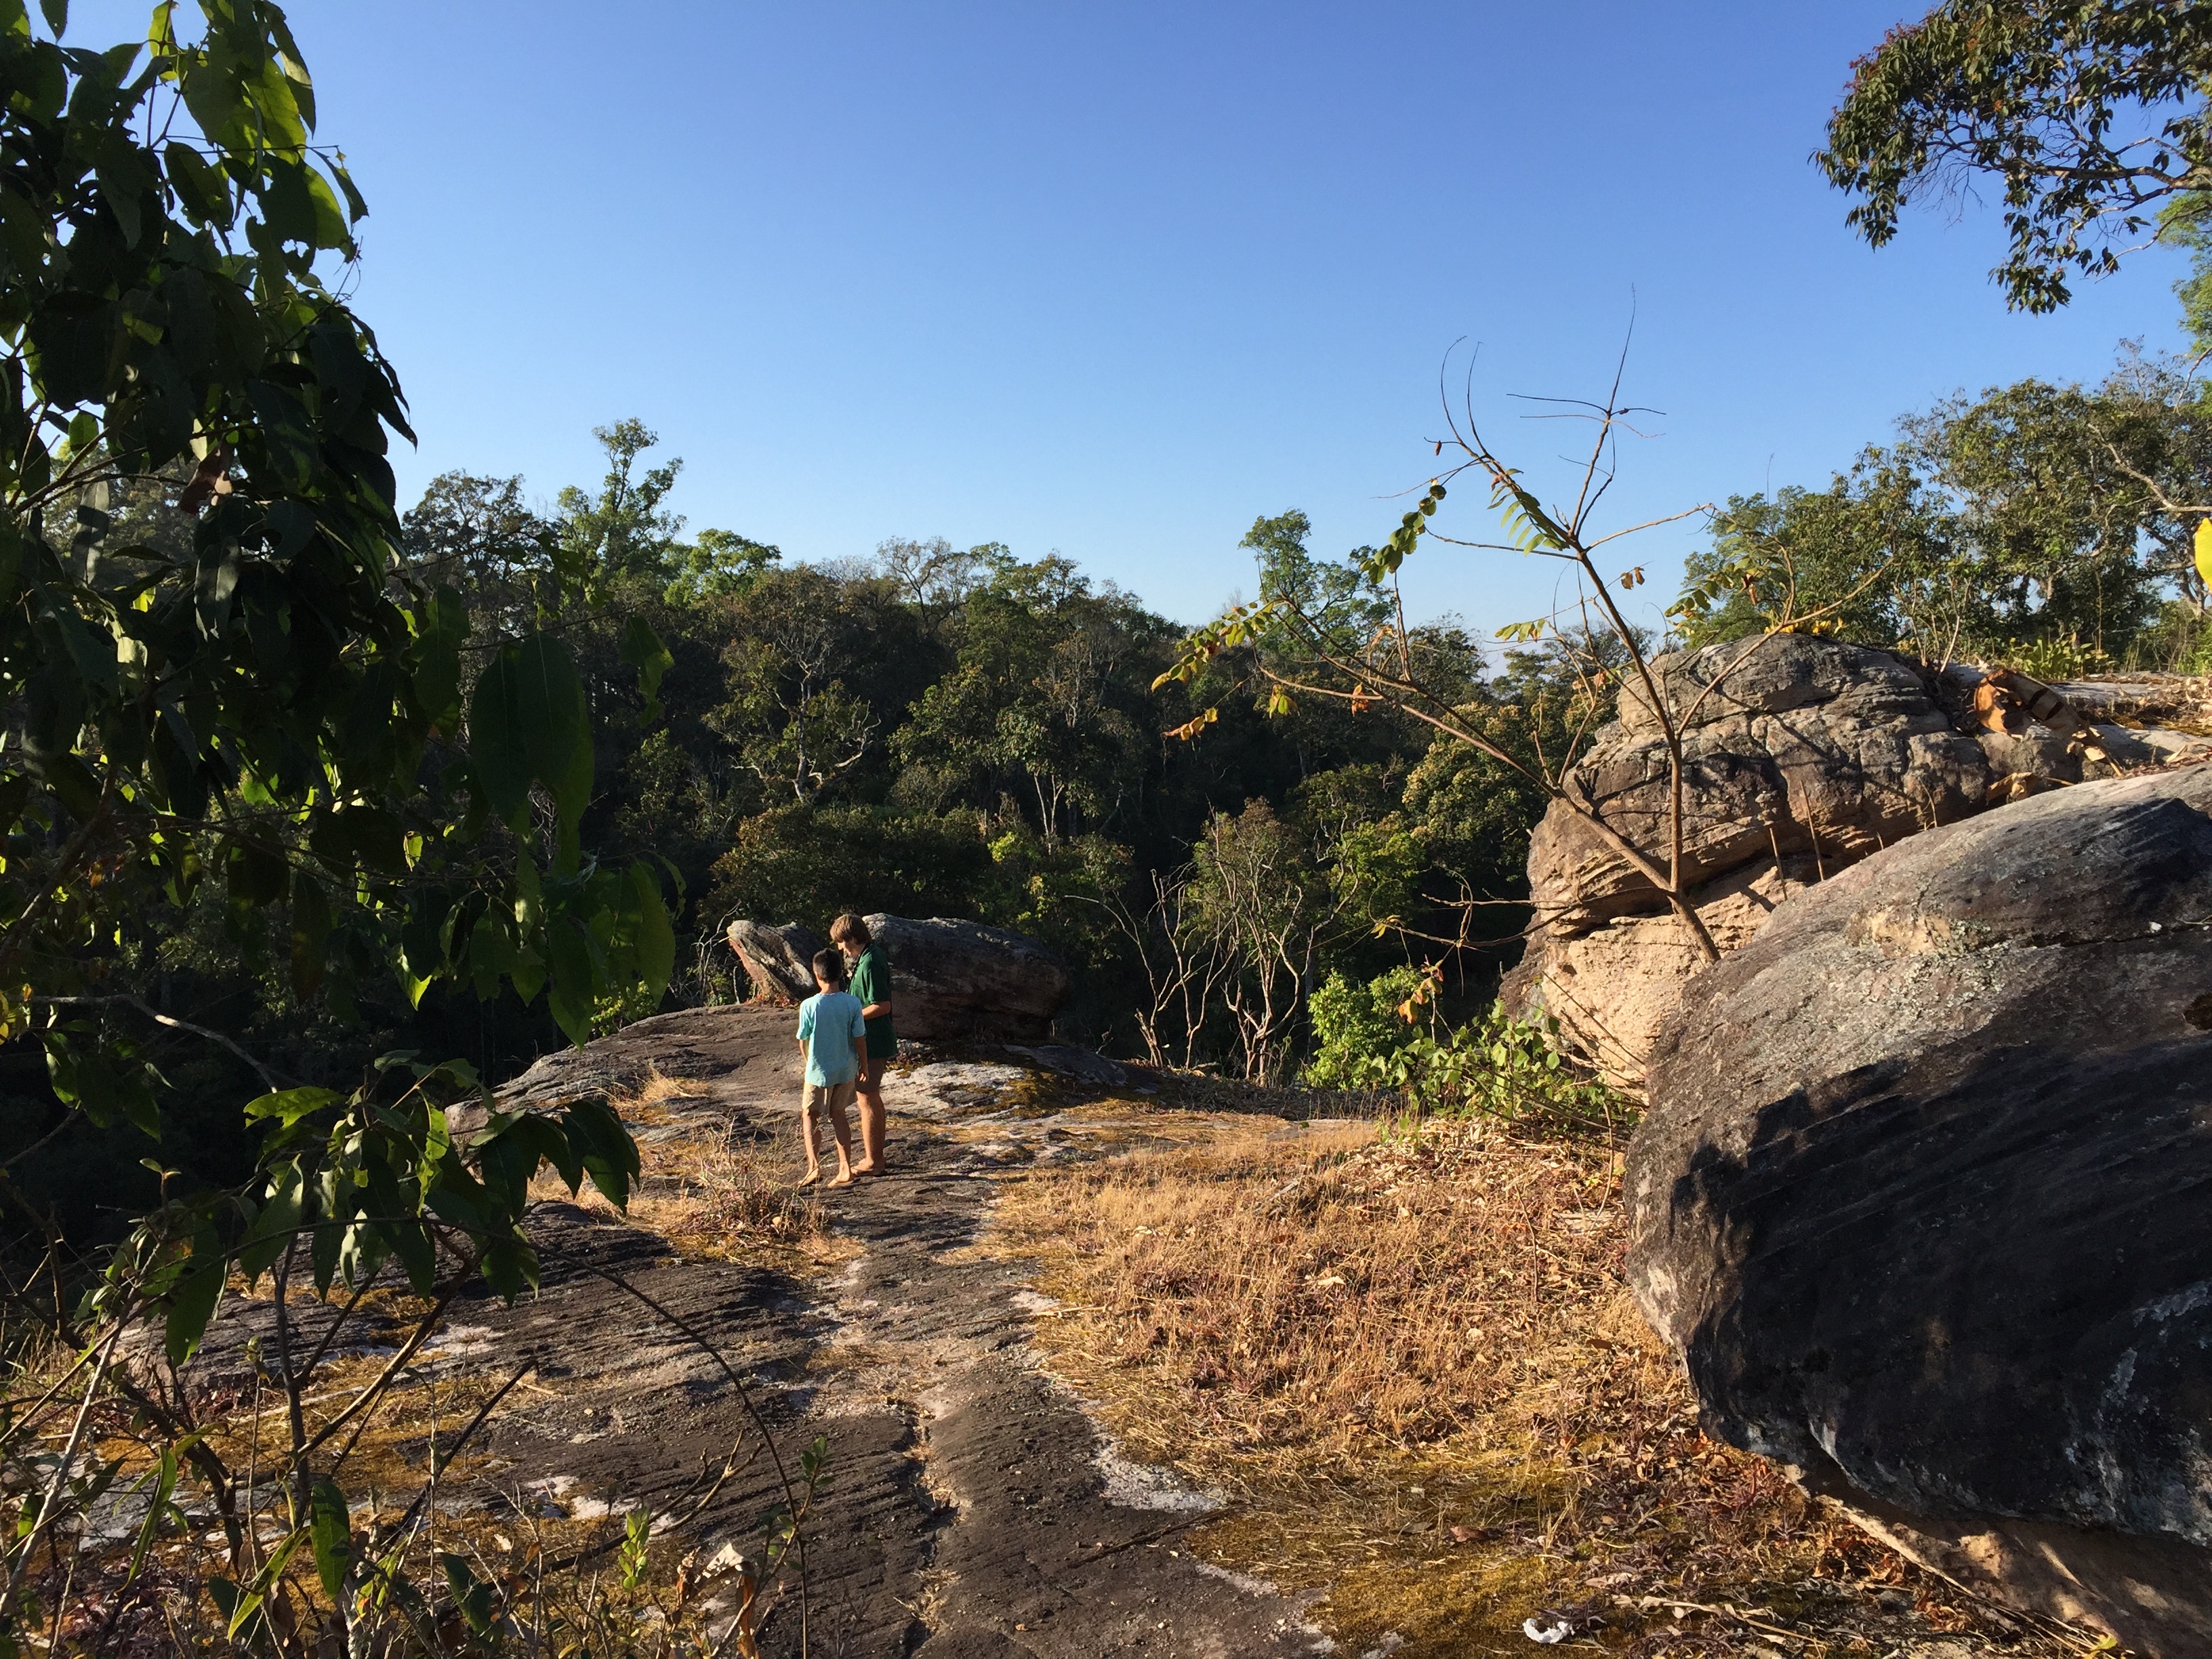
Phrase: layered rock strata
(1802, 756)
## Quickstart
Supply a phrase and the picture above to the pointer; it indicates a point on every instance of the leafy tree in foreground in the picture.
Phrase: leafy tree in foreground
(2090, 115)
(265, 703)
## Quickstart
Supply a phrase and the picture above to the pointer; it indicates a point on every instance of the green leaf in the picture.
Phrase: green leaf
(361, 835)
(311, 932)
(330, 1530)
(193, 1303)
(288, 1106)
(472, 1595)
(573, 989)
(643, 649)
(70, 335)
(443, 623)
(528, 720)
(356, 208)
(604, 1147)
(274, 1223)
(408, 1240)
(159, 1508)
(656, 937)
(57, 16)
(258, 874)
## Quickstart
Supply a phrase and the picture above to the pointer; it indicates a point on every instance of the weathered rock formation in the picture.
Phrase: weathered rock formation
(1802, 756)
(960, 981)
(950, 980)
(779, 961)
(1921, 1199)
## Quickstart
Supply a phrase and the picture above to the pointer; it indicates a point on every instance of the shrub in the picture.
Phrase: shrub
(1358, 1028)
(1370, 1037)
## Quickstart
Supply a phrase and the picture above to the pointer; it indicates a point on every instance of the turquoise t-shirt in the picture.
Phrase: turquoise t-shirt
(830, 1024)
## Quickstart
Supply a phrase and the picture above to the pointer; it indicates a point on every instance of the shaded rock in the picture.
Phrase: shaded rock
(779, 961)
(1803, 756)
(1065, 1060)
(1920, 1199)
(959, 980)
(2038, 752)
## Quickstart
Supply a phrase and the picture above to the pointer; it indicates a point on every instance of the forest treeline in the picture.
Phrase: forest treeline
(933, 729)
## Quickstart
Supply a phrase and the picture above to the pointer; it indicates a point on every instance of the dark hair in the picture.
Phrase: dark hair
(850, 927)
(829, 967)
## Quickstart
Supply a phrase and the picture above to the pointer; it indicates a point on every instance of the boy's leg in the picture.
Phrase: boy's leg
(807, 1134)
(870, 1089)
(840, 1097)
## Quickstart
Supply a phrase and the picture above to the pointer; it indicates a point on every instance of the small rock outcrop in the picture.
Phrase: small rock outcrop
(779, 961)
(1802, 756)
(1920, 1198)
(960, 981)
(950, 980)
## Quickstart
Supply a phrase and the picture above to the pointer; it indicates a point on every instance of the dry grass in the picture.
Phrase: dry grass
(1414, 1369)
(710, 1193)
(713, 1193)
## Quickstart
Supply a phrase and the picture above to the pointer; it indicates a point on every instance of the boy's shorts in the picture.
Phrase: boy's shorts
(835, 1095)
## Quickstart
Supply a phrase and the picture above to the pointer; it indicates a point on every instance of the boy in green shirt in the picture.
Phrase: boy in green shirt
(871, 984)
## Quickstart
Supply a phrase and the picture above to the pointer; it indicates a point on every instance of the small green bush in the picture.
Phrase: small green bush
(1495, 1067)
(2062, 659)
(1357, 1028)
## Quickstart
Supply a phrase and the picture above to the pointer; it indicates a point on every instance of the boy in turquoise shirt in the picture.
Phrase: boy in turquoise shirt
(832, 1040)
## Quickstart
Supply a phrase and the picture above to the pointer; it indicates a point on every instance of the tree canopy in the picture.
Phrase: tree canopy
(2051, 521)
(2090, 120)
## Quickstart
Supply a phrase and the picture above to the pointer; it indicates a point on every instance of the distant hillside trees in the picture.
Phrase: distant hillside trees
(2042, 522)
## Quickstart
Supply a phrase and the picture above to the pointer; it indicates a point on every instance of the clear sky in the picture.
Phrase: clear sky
(1114, 279)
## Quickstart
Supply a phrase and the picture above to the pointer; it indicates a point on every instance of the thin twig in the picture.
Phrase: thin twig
(273, 1078)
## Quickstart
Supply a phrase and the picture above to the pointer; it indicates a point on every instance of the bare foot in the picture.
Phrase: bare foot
(810, 1177)
(867, 1169)
(844, 1178)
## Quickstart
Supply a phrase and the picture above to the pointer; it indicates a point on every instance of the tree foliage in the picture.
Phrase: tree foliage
(2090, 118)
(220, 675)
(2032, 518)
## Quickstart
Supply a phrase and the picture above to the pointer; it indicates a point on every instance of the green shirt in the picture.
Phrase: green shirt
(871, 983)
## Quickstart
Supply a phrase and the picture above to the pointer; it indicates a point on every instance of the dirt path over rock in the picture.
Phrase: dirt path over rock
(973, 1509)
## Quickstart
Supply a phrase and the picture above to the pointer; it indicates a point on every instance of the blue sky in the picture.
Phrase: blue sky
(1114, 279)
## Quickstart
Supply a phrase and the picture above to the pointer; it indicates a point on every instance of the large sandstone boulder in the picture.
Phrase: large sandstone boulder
(960, 981)
(779, 961)
(1920, 1198)
(1802, 756)
(950, 980)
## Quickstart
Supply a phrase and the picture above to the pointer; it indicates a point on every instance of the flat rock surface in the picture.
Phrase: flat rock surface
(972, 1509)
